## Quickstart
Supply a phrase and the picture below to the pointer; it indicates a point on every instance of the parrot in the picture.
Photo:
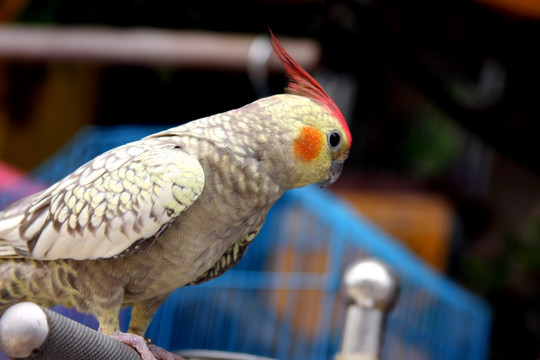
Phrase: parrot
(176, 208)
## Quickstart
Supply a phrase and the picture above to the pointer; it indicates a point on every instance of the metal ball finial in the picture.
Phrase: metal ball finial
(371, 284)
(23, 328)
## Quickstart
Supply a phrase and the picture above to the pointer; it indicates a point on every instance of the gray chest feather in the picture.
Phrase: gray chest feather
(229, 258)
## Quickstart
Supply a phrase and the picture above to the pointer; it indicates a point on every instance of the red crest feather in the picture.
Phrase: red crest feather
(303, 84)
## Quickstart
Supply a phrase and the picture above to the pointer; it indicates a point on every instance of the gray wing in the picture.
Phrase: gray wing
(105, 208)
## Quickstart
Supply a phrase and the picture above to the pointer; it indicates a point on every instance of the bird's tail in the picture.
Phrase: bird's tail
(46, 283)
(11, 283)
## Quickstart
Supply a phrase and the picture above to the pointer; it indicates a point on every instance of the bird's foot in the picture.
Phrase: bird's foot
(162, 354)
(147, 351)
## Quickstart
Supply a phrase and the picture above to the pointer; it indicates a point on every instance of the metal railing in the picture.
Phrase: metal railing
(147, 46)
(29, 331)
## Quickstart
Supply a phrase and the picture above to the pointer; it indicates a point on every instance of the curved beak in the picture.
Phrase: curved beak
(333, 174)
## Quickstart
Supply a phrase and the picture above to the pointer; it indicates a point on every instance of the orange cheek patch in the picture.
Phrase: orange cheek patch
(308, 144)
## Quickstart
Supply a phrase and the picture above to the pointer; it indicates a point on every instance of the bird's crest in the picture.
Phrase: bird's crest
(303, 84)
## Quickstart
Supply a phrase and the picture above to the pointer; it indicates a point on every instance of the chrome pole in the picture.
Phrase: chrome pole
(372, 289)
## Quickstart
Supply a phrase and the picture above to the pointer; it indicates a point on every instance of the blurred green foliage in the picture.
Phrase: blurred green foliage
(515, 266)
(432, 144)
(509, 279)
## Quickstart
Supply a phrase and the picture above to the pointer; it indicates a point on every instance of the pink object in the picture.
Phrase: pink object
(12, 178)
(9, 176)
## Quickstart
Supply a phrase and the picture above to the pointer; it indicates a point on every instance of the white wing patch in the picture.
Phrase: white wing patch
(106, 207)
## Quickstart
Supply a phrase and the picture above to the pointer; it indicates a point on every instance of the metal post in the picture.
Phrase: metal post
(372, 289)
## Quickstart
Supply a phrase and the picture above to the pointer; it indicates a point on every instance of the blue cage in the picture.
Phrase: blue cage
(284, 299)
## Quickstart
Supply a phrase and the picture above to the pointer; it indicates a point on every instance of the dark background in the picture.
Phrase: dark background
(440, 96)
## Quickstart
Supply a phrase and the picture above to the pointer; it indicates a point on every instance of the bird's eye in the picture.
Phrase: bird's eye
(334, 139)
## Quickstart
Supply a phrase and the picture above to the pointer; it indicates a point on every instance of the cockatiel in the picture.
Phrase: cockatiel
(178, 207)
